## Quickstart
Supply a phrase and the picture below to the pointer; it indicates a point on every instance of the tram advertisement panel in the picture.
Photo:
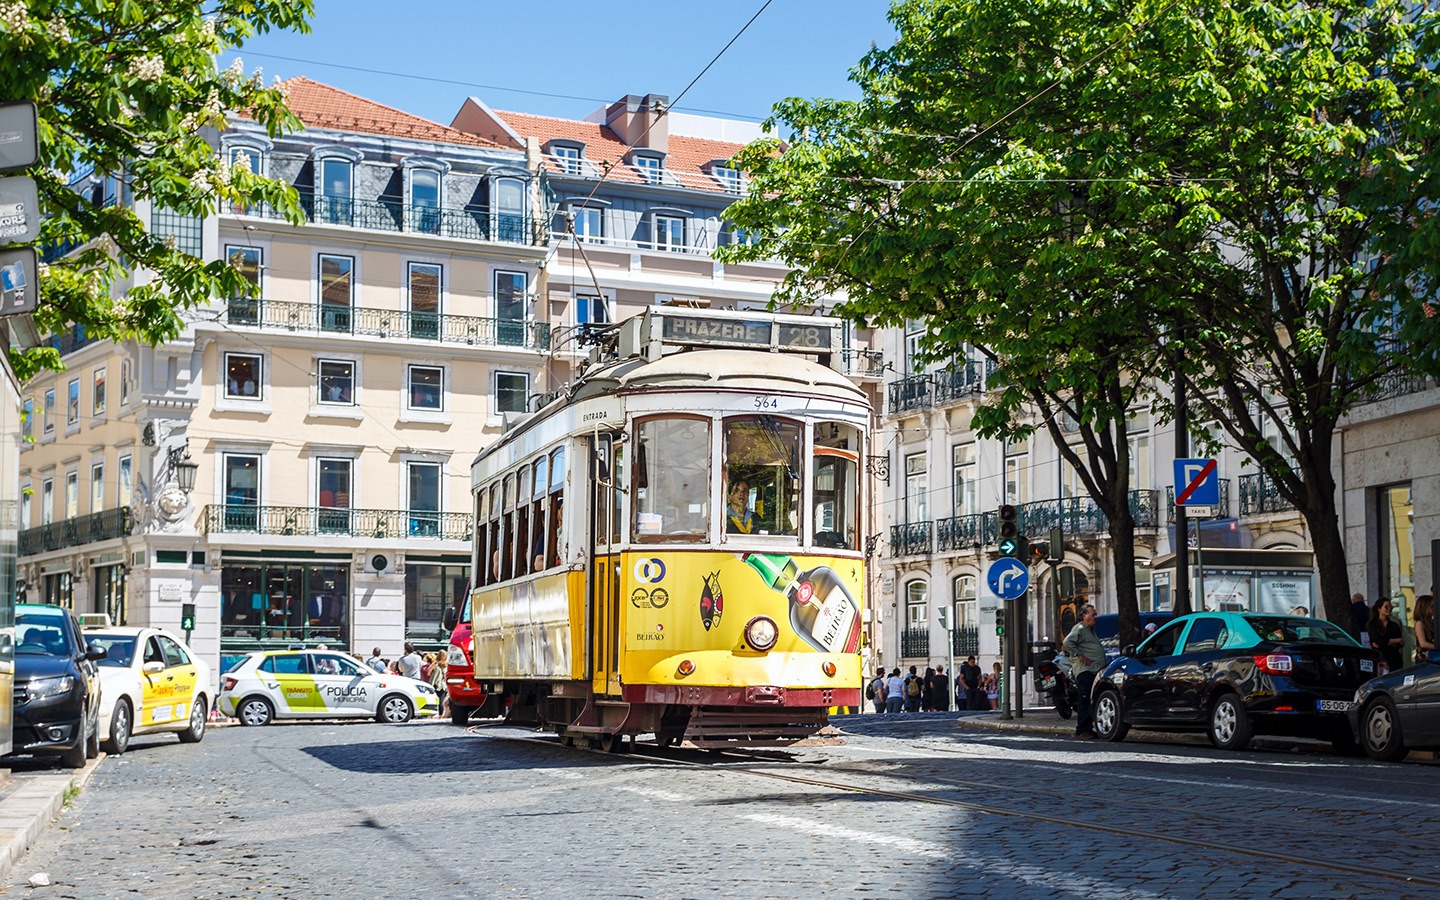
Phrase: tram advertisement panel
(677, 601)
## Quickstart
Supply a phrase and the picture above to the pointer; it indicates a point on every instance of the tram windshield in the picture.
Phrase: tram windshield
(762, 476)
(672, 479)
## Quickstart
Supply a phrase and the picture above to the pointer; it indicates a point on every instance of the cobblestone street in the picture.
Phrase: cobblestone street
(903, 807)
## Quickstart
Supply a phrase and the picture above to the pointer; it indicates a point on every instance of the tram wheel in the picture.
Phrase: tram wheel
(611, 743)
(665, 741)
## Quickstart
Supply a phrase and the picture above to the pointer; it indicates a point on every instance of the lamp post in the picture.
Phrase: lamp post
(180, 467)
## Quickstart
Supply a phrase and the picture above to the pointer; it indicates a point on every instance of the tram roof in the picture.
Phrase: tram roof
(729, 370)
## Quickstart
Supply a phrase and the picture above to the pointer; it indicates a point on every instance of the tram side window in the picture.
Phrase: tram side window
(672, 479)
(482, 540)
(539, 481)
(762, 476)
(507, 551)
(836, 487)
(522, 522)
(557, 508)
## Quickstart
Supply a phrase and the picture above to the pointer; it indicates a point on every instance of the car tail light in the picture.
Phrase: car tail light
(1274, 663)
(229, 683)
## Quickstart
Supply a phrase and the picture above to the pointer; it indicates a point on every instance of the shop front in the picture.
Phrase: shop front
(275, 603)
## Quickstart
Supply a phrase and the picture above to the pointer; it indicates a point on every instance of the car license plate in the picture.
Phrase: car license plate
(1367, 665)
(1334, 705)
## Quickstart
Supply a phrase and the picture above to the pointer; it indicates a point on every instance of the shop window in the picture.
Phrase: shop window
(243, 376)
(425, 388)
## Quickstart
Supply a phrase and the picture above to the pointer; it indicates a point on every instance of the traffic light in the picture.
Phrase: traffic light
(1039, 552)
(1000, 629)
(1009, 532)
(1057, 545)
(187, 617)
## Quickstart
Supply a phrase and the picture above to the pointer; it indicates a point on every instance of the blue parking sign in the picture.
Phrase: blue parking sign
(1197, 482)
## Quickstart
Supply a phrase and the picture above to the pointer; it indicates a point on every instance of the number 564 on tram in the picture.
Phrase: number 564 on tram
(676, 548)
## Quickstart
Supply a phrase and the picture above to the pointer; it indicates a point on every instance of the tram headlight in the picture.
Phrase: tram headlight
(686, 667)
(828, 668)
(761, 633)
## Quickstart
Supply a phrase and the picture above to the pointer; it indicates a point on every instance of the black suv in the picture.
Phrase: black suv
(57, 686)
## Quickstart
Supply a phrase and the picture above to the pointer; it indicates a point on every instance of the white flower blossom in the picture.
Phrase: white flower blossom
(257, 78)
(59, 30)
(208, 27)
(283, 88)
(13, 17)
(234, 74)
(147, 68)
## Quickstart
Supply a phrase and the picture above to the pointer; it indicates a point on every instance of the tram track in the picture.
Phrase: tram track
(708, 764)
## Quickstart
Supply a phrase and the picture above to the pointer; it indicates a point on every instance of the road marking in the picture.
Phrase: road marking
(656, 794)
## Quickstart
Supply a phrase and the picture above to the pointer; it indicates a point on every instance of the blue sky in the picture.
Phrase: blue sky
(442, 51)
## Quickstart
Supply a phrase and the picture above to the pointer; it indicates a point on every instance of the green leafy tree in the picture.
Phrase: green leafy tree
(131, 90)
(1092, 190)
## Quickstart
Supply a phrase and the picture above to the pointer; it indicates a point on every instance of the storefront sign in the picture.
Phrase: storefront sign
(171, 591)
(19, 210)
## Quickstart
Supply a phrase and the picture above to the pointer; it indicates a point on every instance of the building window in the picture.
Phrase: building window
(589, 223)
(429, 590)
(510, 308)
(967, 604)
(244, 309)
(126, 472)
(425, 386)
(567, 158)
(97, 487)
(512, 390)
(245, 158)
(914, 335)
(591, 310)
(243, 376)
(72, 404)
(333, 206)
(1017, 464)
(72, 494)
(1138, 429)
(97, 394)
(332, 489)
(966, 478)
(25, 512)
(651, 168)
(669, 232)
(124, 381)
(917, 597)
(510, 210)
(916, 488)
(47, 501)
(50, 411)
(423, 498)
(27, 423)
(180, 231)
(423, 283)
(729, 178)
(241, 478)
(337, 382)
(337, 291)
(425, 200)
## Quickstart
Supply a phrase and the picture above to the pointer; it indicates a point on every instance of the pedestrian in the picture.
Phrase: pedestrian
(1424, 627)
(877, 691)
(974, 694)
(927, 690)
(992, 688)
(1359, 615)
(437, 681)
(409, 664)
(913, 690)
(1087, 659)
(941, 695)
(894, 693)
(375, 662)
(1385, 634)
(427, 661)
(962, 696)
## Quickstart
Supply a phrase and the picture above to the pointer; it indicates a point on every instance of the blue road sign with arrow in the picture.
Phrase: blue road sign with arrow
(1008, 578)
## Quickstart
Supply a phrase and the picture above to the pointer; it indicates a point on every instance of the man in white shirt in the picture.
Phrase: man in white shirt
(410, 663)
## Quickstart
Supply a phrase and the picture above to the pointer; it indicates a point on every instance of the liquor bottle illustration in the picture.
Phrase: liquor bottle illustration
(822, 611)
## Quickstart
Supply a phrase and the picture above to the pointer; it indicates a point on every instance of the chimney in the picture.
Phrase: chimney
(629, 116)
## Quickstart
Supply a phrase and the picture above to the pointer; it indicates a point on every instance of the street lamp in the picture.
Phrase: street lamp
(181, 467)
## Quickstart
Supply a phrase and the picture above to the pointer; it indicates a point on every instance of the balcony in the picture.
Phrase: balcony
(964, 532)
(101, 526)
(864, 363)
(469, 223)
(915, 643)
(1259, 495)
(910, 393)
(959, 382)
(1222, 512)
(910, 539)
(387, 323)
(965, 641)
(69, 341)
(313, 520)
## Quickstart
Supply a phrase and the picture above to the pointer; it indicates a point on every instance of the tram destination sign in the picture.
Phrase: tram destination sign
(717, 332)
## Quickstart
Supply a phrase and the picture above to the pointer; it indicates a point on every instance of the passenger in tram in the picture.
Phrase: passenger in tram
(739, 518)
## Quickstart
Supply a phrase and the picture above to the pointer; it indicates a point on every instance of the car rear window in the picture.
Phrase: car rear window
(1289, 629)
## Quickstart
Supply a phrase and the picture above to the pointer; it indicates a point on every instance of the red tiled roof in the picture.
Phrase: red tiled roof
(322, 106)
(688, 157)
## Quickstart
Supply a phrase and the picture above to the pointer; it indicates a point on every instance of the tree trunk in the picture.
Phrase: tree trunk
(1329, 549)
(1122, 551)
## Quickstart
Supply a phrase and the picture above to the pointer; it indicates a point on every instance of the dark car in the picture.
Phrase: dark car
(1234, 675)
(1107, 629)
(1399, 712)
(57, 686)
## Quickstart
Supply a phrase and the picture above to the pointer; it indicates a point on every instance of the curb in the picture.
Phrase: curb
(28, 809)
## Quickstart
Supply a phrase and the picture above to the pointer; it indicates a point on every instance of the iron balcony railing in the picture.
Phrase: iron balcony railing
(965, 641)
(910, 539)
(470, 222)
(911, 392)
(959, 382)
(69, 341)
(387, 323)
(1222, 512)
(100, 526)
(963, 532)
(915, 643)
(1398, 385)
(316, 520)
(1080, 515)
(864, 363)
(1258, 495)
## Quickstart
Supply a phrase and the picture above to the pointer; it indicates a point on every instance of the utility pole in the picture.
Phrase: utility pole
(1180, 604)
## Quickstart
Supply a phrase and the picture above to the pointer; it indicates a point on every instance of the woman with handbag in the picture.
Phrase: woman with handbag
(1424, 627)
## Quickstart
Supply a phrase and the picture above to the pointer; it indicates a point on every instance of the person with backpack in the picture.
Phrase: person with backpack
(876, 691)
(914, 688)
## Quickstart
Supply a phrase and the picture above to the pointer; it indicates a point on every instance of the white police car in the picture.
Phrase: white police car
(150, 681)
(319, 684)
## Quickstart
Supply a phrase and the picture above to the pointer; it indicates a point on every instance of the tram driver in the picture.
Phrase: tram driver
(739, 518)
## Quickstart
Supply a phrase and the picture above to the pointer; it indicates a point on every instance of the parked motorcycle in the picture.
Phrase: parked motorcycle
(1056, 681)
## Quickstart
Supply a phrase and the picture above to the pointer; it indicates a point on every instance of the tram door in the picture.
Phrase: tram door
(606, 610)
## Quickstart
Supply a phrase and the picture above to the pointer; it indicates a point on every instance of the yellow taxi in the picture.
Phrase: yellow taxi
(150, 681)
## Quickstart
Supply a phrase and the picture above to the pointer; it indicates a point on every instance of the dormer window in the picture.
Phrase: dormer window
(334, 184)
(728, 177)
(652, 168)
(567, 158)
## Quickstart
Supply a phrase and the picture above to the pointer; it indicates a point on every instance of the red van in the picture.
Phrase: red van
(466, 695)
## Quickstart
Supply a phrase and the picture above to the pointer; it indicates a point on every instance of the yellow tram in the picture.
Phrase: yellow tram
(676, 547)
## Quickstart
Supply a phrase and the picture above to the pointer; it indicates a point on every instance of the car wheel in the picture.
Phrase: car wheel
(1109, 724)
(459, 713)
(1380, 731)
(394, 709)
(92, 739)
(121, 724)
(255, 711)
(1229, 723)
(75, 756)
(198, 711)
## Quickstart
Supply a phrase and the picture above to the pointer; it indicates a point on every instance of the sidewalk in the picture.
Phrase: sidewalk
(29, 801)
